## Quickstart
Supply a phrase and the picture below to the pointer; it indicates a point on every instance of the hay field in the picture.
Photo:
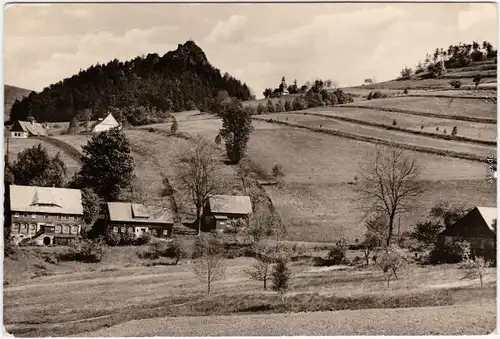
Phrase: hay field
(472, 130)
(317, 199)
(445, 106)
(402, 138)
(16, 146)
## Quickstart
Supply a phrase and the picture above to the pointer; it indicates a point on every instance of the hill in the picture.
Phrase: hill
(11, 94)
(140, 90)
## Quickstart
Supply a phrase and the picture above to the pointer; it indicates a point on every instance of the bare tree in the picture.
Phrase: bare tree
(211, 265)
(389, 185)
(474, 268)
(261, 268)
(197, 171)
(392, 261)
(243, 171)
(141, 190)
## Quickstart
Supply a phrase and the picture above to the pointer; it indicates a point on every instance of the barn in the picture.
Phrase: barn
(222, 208)
(24, 129)
(106, 124)
(478, 227)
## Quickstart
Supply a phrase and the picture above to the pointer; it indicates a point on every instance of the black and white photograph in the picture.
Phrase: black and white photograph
(249, 169)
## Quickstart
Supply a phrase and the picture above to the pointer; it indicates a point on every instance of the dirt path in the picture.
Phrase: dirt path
(450, 320)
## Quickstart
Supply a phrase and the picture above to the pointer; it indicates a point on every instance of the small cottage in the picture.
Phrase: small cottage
(477, 227)
(49, 215)
(106, 124)
(126, 217)
(25, 129)
(222, 208)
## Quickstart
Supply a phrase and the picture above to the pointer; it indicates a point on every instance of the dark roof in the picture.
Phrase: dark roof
(478, 223)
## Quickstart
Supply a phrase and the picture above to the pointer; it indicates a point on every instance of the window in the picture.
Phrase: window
(74, 229)
(123, 229)
(16, 215)
(165, 232)
(59, 217)
(33, 216)
(15, 228)
(65, 229)
(25, 215)
(33, 228)
(130, 230)
(24, 228)
(58, 228)
(46, 216)
(115, 229)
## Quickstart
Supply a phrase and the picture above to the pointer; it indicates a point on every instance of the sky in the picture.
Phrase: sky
(256, 43)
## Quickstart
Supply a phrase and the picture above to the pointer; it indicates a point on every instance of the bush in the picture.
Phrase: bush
(27, 242)
(454, 131)
(477, 56)
(342, 97)
(394, 123)
(127, 239)
(405, 91)
(270, 106)
(143, 239)
(406, 73)
(299, 104)
(10, 249)
(278, 108)
(174, 249)
(277, 170)
(449, 253)
(437, 70)
(377, 95)
(260, 108)
(112, 238)
(337, 254)
(85, 251)
(456, 83)
(288, 106)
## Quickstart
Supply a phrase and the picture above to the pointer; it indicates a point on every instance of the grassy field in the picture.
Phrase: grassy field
(454, 320)
(444, 106)
(472, 130)
(109, 294)
(317, 199)
(399, 137)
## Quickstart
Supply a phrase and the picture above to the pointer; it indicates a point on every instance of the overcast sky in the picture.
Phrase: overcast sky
(256, 43)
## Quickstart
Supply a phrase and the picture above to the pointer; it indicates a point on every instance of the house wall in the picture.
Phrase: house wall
(104, 127)
(211, 223)
(15, 134)
(157, 230)
(27, 224)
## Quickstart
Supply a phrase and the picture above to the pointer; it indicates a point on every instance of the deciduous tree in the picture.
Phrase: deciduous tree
(236, 130)
(211, 264)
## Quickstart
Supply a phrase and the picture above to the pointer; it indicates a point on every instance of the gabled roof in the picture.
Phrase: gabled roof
(108, 123)
(129, 212)
(37, 199)
(489, 214)
(33, 128)
(230, 204)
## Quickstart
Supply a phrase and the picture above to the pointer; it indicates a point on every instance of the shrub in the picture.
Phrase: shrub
(422, 126)
(456, 83)
(474, 268)
(454, 131)
(394, 123)
(477, 56)
(278, 108)
(299, 103)
(405, 91)
(438, 69)
(406, 73)
(449, 253)
(260, 108)
(314, 99)
(112, 238)
(288, 106)
(174, 127)
(152, 130)
(378, 95)
(280, 277)
(342, 97)
(445, 131)
(174, 249)
(369, 97)
(143, 239)
(337, 254)
(392, 260)
(437, 129)
(477, 80)
(10, 249)
(85, 251)
(270, 106)
(277, 170)
(27, 242)
(127, 239)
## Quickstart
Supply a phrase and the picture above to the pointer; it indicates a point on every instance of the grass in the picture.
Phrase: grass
(443, 106)
(145, 292)
(470, 130)
(316, 195)
(382, 136)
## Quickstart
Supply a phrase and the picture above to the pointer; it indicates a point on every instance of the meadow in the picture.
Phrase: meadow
(400, 138)
(109, 295)
(444, 106)
(471, 130)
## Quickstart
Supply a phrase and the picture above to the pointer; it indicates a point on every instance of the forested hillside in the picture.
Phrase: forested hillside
(11, 94)
(142, 89)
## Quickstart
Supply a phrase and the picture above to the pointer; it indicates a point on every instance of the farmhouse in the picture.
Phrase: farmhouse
(126, 217)
(24, 129)
(108, 123)
(49, 215)
(477, 227)
(222, 208)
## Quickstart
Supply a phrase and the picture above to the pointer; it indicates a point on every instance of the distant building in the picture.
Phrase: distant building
(126, 217)
(106, 124)
(24, 129)
(477, 227)
(50, 215)
(221, 208)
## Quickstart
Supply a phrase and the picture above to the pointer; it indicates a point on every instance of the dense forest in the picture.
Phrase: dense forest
(142, 89)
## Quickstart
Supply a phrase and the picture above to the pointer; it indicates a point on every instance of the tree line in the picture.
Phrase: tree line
(142, 89)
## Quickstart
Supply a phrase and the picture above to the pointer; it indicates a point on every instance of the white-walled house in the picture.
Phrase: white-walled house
(24, 129)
